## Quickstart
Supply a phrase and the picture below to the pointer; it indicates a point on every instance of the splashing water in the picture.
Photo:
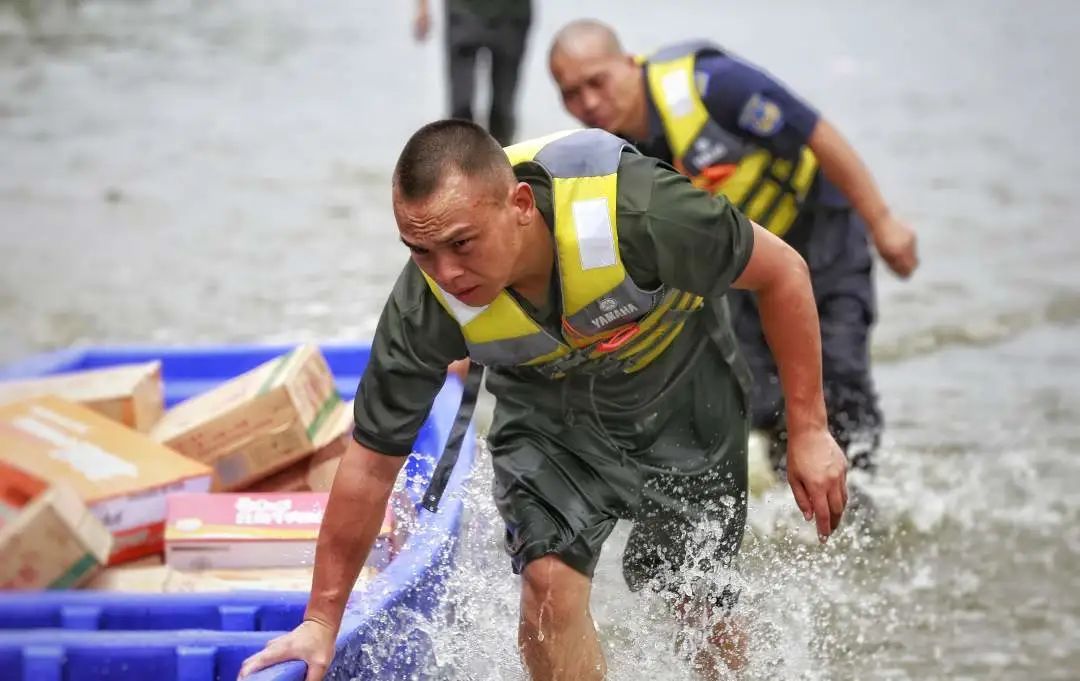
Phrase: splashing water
(117, 115)
(794, 594)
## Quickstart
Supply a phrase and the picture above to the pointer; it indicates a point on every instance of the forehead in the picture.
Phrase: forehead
(458, 202)
(583, 61)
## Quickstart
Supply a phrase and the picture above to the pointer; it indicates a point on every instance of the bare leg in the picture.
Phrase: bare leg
(556, 633)
(725, 645)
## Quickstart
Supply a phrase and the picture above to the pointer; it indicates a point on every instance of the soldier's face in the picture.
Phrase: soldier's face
(597, 87)
(467, 235)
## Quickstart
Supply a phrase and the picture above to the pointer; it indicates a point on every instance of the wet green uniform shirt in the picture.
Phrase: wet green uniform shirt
(573, 455)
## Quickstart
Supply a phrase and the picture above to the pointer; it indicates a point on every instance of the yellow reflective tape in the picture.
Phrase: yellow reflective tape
(504, 320)
(581, 286)
(682, 126)
(649, 356)
(559, 352)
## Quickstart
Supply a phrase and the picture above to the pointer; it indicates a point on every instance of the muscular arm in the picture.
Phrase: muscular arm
(780, 279)
(841, 164)
(413, 344)
(353, 517)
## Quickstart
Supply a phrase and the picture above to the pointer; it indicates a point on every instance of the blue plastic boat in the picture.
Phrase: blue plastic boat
(103, 636)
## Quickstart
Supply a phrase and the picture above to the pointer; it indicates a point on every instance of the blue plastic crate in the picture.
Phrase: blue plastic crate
(91, 636)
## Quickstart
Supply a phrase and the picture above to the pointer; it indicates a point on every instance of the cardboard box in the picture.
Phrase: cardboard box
(237, 531)
(131, 394)
(324, 463)
(314, 473)
(146, 575)
(48, 538)
(121, 475)
(267, 579)
(329, 446)
(290, 479)
(151, 575)
(257, 423)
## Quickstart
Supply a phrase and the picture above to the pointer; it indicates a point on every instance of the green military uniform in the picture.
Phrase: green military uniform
(664, 446)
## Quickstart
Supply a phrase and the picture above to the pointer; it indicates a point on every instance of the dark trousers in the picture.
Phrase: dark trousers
(836, 250)
(504, 40)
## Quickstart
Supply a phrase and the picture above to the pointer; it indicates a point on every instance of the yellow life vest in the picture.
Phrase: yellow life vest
(769, 190)
(609, 324)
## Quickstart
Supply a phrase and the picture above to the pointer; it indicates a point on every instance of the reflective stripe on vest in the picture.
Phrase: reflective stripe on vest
(769, 190)
(608, 323)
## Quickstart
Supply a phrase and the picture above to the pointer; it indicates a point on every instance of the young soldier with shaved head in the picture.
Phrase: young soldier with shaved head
(588, 279)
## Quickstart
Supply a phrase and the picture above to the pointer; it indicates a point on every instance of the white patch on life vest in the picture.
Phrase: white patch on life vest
(761, 116)
(676, 89)
(592, 224)
(608, 304)
(462, 313)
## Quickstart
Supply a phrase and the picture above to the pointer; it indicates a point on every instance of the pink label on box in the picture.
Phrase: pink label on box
(299, 510)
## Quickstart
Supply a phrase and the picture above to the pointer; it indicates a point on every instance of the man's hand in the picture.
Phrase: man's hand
(459, 368)
(817, 472)
(312, 642)
(422, 23)
(896, 243)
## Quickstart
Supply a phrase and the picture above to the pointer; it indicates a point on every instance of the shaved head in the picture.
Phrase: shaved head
(600, 84)
(438, 150)
(588, 35)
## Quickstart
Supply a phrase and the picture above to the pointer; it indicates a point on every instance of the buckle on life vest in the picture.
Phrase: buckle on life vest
(712, 178)
(619, 338)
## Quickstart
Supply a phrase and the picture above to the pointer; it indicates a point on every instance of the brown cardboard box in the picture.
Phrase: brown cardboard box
(48, 538)
(293, 478)
(131, 394)
(151, 575)
(320, 466)
(257, 423)
(146, 575)
(121, 475)
(324, 463)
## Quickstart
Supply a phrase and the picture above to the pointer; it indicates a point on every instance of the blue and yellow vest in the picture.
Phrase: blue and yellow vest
(769, 190)
(609, 324)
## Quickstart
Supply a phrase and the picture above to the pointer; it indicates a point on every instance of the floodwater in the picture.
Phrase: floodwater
(180, 172)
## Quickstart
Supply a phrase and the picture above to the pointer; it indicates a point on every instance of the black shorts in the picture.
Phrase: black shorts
(681, 478)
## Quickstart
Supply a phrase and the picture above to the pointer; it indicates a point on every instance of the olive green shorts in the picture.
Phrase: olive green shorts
(564, 475)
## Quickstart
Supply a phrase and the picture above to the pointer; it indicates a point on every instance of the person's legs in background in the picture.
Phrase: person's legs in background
(507, 45)
(463, 34)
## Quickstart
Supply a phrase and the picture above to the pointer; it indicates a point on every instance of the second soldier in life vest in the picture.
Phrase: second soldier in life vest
(739, 133)
(588, 279)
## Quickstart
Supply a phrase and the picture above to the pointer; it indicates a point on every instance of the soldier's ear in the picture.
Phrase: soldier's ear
(524, 202)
